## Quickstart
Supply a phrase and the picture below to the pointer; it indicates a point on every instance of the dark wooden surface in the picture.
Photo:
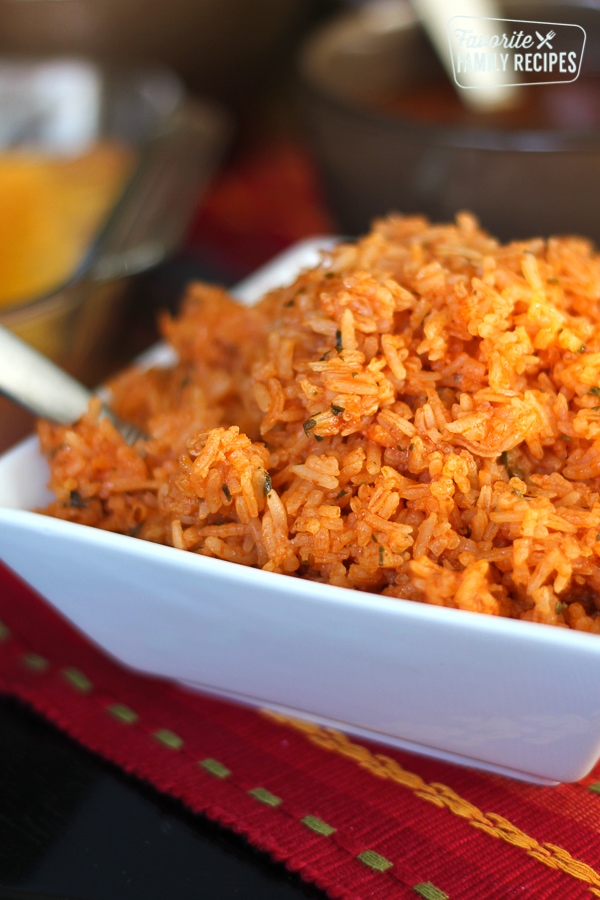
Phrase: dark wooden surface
(74, 828)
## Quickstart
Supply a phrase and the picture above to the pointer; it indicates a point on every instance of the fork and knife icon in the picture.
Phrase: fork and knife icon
(545, 41)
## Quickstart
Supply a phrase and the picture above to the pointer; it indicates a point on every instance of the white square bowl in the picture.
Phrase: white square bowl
(507, 696)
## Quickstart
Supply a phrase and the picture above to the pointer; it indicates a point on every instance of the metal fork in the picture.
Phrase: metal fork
(36, 383)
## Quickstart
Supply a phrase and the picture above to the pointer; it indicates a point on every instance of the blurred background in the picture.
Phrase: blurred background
(145, 144)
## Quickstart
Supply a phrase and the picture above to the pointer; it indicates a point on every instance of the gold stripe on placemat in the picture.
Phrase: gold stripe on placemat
(442, 796)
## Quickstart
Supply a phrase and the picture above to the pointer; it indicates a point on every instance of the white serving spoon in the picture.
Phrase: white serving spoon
(434, 16)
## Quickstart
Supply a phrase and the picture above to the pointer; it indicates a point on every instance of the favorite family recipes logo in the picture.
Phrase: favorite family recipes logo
(510, 52)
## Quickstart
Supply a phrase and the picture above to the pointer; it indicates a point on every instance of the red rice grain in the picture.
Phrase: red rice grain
(417, 416)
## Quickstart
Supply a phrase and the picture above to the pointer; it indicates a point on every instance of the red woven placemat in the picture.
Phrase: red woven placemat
(356, 819)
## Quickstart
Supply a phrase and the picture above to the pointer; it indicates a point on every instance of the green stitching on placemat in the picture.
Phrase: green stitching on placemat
(214, 767)
(128, 716)
(265, 796)
(595, 787)
(318, 825)
(122, 713)
(169, 739)
(429, 891)
(34, 662)
(374, 860)
(78, 680)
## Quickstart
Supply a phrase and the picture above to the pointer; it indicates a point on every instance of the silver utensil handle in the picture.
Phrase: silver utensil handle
(33, 381)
